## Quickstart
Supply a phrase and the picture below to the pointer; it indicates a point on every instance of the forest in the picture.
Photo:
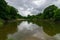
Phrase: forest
(51, 12)
(8, 12)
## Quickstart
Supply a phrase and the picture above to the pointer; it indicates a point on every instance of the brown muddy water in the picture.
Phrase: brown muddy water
(30, 31)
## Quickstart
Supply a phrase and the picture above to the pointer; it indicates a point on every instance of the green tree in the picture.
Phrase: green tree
(13, 13)
(57, 14)
(49, 11)
(3, 5)
(7, 12)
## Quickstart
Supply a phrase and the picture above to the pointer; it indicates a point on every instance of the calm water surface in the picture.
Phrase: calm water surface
(30, 31)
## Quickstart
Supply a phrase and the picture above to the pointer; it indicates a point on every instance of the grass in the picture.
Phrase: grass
(1, 22)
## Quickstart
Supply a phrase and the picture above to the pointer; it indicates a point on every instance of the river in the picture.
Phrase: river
(26, 30)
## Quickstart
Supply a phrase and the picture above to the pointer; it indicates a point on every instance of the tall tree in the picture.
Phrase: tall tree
(7, 12)
(3, 5)
(57, 14)
(49, 11)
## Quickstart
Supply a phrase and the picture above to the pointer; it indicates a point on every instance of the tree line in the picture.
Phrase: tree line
(51, 12)
(8, 12)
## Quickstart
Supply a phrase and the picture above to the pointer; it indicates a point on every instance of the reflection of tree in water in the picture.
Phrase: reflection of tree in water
(31, 32)
(34, 32)
(9, 28)
(51, 28)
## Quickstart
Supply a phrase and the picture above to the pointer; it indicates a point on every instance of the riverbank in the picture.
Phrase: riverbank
(1, 22)
(33, 20)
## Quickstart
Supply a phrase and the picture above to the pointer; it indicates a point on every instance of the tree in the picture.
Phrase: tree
(13, 13)
(3, 5)
(57, 14)
(49, 11)
(7, 12)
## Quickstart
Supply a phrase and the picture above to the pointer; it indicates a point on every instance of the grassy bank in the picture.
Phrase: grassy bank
(1, 22)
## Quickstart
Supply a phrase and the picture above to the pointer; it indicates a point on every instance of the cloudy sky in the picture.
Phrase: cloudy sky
(30, 7)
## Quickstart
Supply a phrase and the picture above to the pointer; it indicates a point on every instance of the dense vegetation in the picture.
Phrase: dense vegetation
(7, 12)
(52, 12)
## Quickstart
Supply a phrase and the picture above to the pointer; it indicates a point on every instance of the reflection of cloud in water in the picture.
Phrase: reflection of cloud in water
(30, 31)
(57, 36)
(27, 26)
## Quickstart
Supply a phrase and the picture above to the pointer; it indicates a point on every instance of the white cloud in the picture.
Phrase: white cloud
(57, 2)
(39, 2)
(26, 7)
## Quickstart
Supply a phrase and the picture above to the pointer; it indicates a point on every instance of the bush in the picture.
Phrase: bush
(1, 22)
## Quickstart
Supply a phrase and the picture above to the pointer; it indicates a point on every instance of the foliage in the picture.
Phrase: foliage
(52, 12)
(7, 12)
(49, 11)
(1, 22)
(57, 14)
(10, 13)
